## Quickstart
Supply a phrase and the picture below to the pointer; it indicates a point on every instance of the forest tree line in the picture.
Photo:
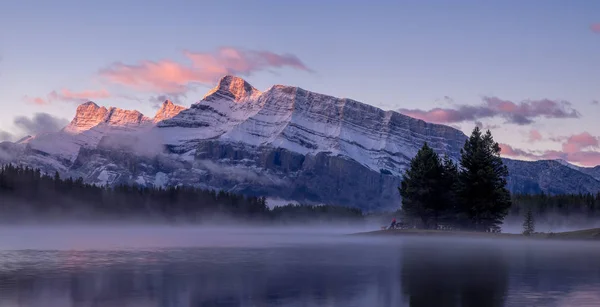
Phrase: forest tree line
(553, 213)
(27, 193)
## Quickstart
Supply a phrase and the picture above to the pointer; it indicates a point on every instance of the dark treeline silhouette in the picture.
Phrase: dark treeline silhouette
(27, 193)
(557, 212)
(470, 195)
(564, 204)
(306, 214)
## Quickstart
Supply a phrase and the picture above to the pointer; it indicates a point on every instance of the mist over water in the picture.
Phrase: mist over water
(278, 266)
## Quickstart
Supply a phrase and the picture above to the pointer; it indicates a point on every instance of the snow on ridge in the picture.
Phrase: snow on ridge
(91, 123)
(308, 123)
(285, 117)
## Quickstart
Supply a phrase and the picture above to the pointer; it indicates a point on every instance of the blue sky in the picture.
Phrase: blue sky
(410, 55)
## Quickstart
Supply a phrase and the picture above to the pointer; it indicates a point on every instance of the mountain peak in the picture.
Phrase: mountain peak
(231, 88)
(167, 110)
(88, 115)
(89, 103)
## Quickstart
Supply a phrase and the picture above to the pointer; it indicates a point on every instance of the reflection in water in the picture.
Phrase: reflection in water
(464, 275)
(304, 276)
(397, 273)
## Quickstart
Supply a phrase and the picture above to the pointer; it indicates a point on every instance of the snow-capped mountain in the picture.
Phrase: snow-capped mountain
(285, 142)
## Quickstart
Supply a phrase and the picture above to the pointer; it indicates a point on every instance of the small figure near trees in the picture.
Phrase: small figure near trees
(529, 223)
(393, 224)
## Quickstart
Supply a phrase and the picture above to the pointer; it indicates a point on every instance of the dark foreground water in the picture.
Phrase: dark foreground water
(214, 268)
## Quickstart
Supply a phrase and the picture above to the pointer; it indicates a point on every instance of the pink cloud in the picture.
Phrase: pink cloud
(595, 28)
(38, 100)
(585, 158)
(577, 148)
(521, 113)
(66, 95)
(509, 151)
(204, 68)
(534, 136)
(576, 143)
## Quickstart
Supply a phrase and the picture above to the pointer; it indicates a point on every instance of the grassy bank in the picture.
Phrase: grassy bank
(587, 234)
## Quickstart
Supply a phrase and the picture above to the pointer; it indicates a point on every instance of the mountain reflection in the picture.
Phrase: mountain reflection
(459, 276)
(199, 277)
(398, 273)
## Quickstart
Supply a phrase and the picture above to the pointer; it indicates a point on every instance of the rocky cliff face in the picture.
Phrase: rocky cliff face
(167, 110)
(307, 123)
(89, 115)
(549, 176)
(285, 142)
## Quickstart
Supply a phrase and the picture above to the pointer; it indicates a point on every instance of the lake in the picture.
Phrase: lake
(146, 266)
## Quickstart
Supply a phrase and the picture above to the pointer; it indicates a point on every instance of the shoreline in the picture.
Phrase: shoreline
(585, 234)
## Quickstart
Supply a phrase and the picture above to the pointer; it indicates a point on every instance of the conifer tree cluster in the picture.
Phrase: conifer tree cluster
(469, 195)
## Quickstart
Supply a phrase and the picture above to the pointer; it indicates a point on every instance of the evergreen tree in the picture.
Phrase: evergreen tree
(421, 187)
(450, 213)
(482, 182)
(529, 223)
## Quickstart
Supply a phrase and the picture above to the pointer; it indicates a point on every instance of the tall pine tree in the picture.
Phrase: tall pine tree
(528, 223)
(482, 182)
(450, 213)
(421, 187)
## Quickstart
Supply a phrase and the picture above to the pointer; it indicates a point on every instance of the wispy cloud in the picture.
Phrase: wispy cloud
(39, 123)
(580, 148)
(509, 151)
(66, 95)
(595, 28)
(6, 136)
(483, 126)
(167, 76)
(521, 113)
(578, 142)
(174, 97)
(595, 102)
(534, 136)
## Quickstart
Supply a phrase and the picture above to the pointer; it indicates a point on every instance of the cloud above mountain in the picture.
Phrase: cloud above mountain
(534, 136)
(167, 76)
(522, 113)
(39, 123)
(66, 95)
(6, 136)
(579, 148)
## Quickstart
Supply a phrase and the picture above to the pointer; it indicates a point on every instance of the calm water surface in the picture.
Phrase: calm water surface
(219, 268)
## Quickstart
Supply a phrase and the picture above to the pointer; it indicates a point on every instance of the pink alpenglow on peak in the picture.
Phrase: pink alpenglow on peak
(167, 110)
(232, 88)
(87, 116)
(125, 118)
(90, 115)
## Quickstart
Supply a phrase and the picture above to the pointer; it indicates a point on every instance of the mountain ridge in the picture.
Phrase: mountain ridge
(285, 142)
